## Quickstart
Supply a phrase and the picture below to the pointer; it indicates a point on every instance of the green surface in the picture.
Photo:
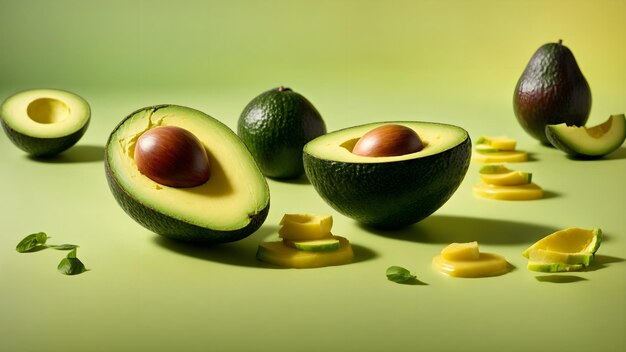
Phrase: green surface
(359, 61)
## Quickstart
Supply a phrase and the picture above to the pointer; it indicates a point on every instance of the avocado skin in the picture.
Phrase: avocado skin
(275, 126)
(558, 144)
(168, 226)
(390, 195)
(551, 90)
(43, 147)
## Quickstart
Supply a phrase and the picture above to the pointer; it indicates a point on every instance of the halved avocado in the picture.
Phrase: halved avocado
(44, 122)
(231, 205)
(589, 142)
(388, 191)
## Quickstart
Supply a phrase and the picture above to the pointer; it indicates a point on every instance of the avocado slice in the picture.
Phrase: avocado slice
(589, 142)
(44, 122)
(231, 205)
(388, 191)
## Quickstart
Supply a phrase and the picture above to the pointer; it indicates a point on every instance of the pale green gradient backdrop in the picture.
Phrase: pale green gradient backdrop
(358, 62)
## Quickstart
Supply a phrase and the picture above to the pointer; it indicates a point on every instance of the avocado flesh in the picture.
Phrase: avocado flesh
(551, 90)
(231, 205)
(589, 142)
(44, 122)
(394, 191)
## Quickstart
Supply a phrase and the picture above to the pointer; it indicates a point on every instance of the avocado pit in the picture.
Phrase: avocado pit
(172, 156)
(388, 140)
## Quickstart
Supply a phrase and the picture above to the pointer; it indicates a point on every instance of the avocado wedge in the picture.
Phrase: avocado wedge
(388, 191)
(44, 122)
(589, 142)
(231, 205)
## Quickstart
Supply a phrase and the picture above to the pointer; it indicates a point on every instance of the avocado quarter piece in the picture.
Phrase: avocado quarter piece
(231, 205)
(589, 142)
(392, 191)
(44, 122)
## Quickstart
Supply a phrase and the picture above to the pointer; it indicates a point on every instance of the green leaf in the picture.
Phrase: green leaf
(71, 265)
(32, 242)
(399, 274)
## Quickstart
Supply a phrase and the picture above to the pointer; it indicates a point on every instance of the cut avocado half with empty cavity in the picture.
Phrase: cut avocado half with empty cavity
(589, 142)
(44, 122)
(388, 191)
(231, 205)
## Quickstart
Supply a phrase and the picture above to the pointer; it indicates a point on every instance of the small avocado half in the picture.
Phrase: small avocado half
(44, 122)
(389, 191)
(231, 205)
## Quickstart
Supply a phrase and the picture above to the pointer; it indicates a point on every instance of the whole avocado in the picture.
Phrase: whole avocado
(275, 126)
(551, 90)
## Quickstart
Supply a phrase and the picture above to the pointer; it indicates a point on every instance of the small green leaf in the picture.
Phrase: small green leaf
(32, 242)
(71, 265)
(62, 247)
(399, 274)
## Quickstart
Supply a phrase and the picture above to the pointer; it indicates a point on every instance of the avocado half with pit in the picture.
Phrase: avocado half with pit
(229, 206)
(589, 142)
(388, 191)
(44, 122)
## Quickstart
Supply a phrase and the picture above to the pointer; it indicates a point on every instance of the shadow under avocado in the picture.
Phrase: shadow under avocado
(618, 154)
(300, 180)
(75, 154)
(446, 229)
(243, 252)
(560, 279)
(602, 261)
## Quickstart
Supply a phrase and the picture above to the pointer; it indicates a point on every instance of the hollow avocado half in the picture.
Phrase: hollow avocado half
(231, 205)
(392, 191)
(44, 122)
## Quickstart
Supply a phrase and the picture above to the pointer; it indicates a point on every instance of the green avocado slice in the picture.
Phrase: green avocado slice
(44, 122)
(388, 191)
(231, 205)
(589, 142)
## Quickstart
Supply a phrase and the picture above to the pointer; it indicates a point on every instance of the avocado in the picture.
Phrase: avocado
(551, 90)
(275, 126)
(589, 142)
(388, 191)
(230, 205)
(44, 122)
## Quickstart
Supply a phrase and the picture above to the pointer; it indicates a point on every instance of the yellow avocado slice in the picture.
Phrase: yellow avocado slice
(277, 253)
(305, 227)
(487, 264)
(570, 240)
(514, 156)
(498, 142)
(502, 176)
(528, 191)
(461, 251)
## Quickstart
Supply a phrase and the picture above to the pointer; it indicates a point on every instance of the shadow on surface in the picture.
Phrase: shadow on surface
(560, 279)
(243, 252)
(301, 180)
(618, 154)
(446, 229)
(602, 261)
(76, 154)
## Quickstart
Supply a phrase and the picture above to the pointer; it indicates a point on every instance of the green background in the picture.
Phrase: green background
(357, 61)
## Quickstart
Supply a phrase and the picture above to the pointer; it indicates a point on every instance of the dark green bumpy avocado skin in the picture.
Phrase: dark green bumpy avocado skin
(390, 195)
(275, 126)
(551, 90)
(43, 147)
